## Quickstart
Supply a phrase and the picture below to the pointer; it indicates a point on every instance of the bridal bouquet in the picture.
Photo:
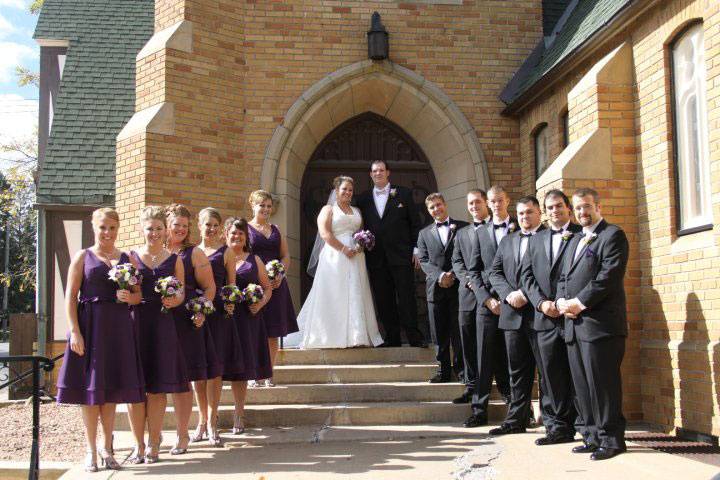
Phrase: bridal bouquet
(365, 239)
(253, 293)
(230, 295)
(125, 275)
(274, 268)
(200, 304)
(167, 287)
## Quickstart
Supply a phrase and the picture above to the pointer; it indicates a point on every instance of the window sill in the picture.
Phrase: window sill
(693, 239)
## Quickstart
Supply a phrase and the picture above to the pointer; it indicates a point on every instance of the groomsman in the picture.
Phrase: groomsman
(435, 250)
(465, 240)
(591, 296)
(490, 342)
(390, 214)
(541, 269)
(516, 315)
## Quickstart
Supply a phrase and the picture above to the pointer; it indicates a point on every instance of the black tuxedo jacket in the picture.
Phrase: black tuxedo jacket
(596, 279)
(505, 278)
(395, 232)
(436, 259)
(540, 274)
(465, 241)
(481, 261)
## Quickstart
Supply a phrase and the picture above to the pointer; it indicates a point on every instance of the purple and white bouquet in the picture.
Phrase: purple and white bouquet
(365, 239)
(231, 295)
(168, 287)
(125, 275)
(274, 268)
(253, 293)
(200, 304)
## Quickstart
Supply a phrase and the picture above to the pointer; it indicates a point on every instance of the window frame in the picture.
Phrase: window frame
(680, 231)
(540, 128)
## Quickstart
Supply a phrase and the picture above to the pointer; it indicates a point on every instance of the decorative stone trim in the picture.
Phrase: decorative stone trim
(175, 37)
(158, 119)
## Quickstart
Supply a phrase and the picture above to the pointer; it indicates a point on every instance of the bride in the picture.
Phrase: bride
(339, 312)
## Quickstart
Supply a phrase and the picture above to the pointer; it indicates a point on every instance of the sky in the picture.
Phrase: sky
(18, 105)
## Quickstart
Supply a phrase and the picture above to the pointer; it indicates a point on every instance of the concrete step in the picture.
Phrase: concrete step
(367, 373)
(351, 356)
(370, 413)
(346, 392)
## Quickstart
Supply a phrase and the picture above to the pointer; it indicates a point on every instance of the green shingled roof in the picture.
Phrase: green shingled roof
(587, 17)
(96, 97)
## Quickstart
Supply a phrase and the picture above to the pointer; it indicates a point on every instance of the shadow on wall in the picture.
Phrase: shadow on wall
(696, 377)
(658, 387)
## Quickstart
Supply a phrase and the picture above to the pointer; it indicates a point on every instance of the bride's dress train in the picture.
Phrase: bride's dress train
(339, 311)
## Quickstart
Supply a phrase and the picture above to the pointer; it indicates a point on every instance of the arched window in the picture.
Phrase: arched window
(692, 165)
(541, 149)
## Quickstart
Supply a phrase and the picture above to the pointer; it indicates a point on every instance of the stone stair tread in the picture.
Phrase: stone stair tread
(355, 366)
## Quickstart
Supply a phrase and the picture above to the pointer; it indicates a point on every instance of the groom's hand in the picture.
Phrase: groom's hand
(416, 262)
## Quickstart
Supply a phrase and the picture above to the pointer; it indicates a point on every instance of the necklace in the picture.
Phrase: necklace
(153, 258)
(106, 257)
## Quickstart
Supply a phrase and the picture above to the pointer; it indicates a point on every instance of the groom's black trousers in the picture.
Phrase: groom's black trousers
(394, 292)
(446, 334)
(491, 361)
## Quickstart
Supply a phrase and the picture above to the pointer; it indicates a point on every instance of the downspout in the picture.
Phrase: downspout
(41, 295)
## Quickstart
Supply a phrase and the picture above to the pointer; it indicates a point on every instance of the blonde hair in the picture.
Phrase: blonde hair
(259, 196)
(209, 212)
(100, 213)
(153, 212)
(179, 210)
(339, 180)
(432, 197)
(497, 190)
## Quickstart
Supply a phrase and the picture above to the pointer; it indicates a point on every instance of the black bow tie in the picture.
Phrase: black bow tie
(525, 235)
(477, 224)
(499, 225)
(557, 231)
(446, 223)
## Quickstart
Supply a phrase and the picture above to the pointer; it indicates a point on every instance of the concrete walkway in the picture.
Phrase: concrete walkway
(403, 452)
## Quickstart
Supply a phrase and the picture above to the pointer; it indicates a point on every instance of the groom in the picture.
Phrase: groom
(389, 213)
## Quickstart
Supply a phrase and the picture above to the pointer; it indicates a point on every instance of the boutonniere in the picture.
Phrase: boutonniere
(512, 227)
(590, 238)
(393, 192)
(567, 235)
(453, 227)
(400, 205)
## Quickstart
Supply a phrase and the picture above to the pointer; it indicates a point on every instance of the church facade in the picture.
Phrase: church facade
(622, 96)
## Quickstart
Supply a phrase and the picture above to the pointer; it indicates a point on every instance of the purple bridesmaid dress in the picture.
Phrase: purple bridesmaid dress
(222, 327)
(160, 350)
(251, 329)
(279, 313)
(196, 344)
(110, 371)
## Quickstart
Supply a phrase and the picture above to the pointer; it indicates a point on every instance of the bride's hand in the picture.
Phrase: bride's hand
(349, 252)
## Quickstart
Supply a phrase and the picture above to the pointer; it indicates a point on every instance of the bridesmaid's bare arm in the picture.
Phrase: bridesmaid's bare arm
(284, 253)
(179, 297)
(204, 273)
(74, 281)
(229, 258)
(265, 284)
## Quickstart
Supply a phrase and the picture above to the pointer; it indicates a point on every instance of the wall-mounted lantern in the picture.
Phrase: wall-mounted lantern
(378, 44)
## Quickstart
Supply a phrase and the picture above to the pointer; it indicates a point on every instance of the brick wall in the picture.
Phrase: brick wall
(674, 299)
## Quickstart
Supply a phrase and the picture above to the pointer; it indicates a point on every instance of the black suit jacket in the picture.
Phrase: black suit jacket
(596, 279)
(505, 278)
(465, 240)
(436, 259)
(540, 274)
(395, 232)
(481, 261)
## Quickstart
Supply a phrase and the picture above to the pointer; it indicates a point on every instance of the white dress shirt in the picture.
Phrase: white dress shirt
(501, 232)
(483, 222)
(380, 196)
(524, 240)
(587, 231)
(443, 231)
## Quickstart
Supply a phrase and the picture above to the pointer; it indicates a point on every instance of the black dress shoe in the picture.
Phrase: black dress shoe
(464, 398)
(389, 345)
(584, 448)
(506, 429)
(419, 344)
(475, 420)
(440, 378)
(554, 438)
(603, 453)
(506, 399)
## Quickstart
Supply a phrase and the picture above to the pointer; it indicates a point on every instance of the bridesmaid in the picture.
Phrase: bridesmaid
(160, 349)
(267, 243)
(222, 326)
(101, 366)
(195, 339)
(250, 324)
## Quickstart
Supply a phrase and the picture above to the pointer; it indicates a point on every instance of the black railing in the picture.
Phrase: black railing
(38, 363)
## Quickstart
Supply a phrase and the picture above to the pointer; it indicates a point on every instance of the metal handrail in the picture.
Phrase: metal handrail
(38, 362)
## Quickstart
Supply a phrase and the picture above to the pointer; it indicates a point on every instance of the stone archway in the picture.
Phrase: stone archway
(415, 104)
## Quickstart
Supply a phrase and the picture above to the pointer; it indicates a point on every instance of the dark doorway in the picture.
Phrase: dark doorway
(348, 150)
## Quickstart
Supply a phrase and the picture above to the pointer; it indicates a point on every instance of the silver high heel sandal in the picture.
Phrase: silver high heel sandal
(177, 449)
(91, 462)
(199, 434)
(107, 460)
(137, 457)
(151, 457)
(214, 436)
(238, 425)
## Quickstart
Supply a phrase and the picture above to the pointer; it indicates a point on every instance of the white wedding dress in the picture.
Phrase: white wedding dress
(339, 311)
